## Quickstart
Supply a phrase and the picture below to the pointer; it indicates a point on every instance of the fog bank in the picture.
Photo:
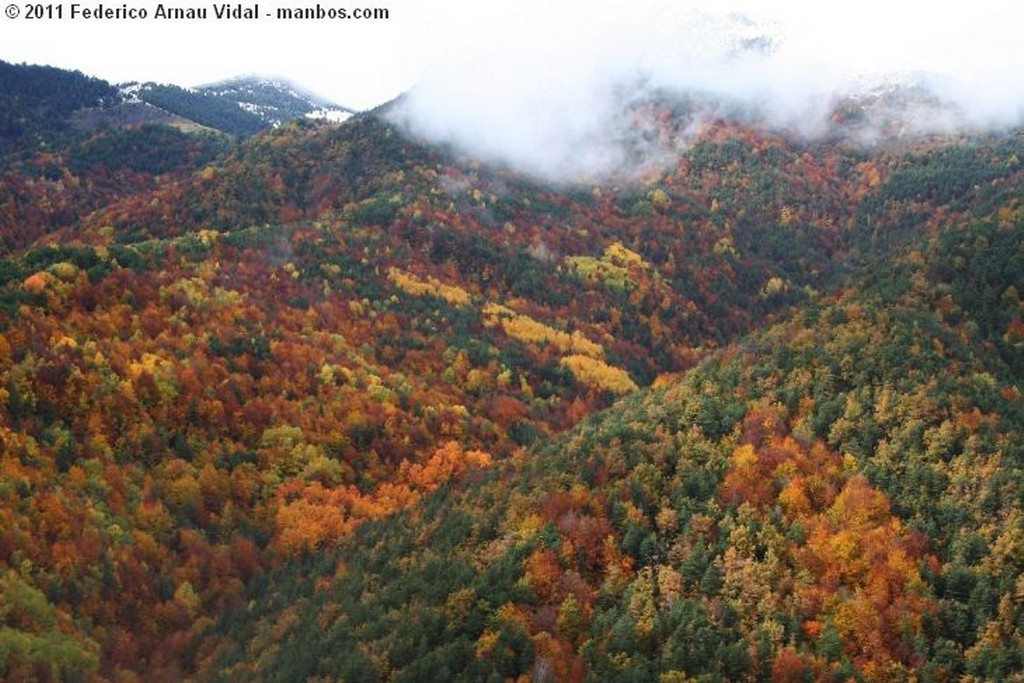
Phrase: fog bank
(550, 91)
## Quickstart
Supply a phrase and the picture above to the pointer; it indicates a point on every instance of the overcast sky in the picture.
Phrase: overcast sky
(363, 63)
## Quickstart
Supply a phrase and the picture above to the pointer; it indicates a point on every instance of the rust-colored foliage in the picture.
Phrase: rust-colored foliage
(860, 565)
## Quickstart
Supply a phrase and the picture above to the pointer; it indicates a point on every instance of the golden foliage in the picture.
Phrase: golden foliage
(530, 331)
(613, 269)
(598, 374)
(617, 254)
(410, 284)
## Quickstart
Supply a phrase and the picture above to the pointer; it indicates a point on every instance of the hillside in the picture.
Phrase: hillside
(36, 103)
(240, 107)
(330, 402)
(836, 497)
(71, 144)
(275, 101)
(45, 106)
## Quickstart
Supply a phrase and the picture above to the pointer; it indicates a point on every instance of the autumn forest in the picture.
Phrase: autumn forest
(323, 402)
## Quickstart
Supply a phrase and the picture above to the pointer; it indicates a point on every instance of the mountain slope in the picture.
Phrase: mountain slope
(50, 190)
(240, 107)
(36, 103)
(206, 109)
(276, 101)
(71, 144)
(220, 400)
(255, 399)
(838, 496)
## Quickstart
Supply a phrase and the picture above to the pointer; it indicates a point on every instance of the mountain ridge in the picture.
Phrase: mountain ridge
(239, 106)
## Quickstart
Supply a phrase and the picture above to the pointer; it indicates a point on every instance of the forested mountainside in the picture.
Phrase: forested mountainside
(43, 106)
(37, 102)
(837, 497)
(275, 101)
(330, 403)
(71, 144)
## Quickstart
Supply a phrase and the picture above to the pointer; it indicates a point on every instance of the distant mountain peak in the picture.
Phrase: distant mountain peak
(276, 100)
(240, 106)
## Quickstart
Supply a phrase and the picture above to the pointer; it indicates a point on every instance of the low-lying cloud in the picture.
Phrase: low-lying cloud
(549, 92)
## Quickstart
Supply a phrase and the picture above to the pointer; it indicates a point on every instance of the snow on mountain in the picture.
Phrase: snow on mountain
(276, 101)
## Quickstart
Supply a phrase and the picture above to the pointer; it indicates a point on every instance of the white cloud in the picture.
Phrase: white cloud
(533, 86)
